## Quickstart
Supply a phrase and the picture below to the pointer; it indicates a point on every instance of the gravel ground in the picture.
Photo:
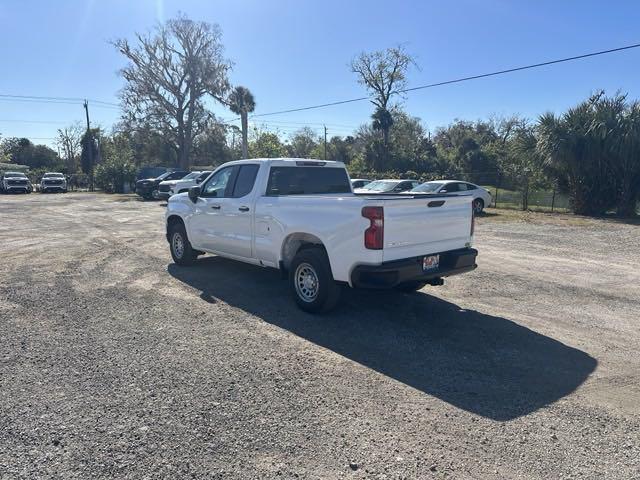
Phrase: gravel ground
(115, 363)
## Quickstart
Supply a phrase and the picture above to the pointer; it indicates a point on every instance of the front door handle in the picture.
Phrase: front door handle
(215, 207)
(244, 209)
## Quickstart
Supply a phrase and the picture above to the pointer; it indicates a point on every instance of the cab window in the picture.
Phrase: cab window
(217, 184)
(245, 179)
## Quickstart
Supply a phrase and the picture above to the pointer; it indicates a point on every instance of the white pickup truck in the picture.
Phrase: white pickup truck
(302, 217)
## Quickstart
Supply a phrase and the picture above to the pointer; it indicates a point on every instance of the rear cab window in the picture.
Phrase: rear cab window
(245, 179)
(309, 180)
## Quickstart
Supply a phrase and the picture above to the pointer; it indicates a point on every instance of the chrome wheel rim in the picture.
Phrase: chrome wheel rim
(477, 206)
(178, 245)
(306, 282)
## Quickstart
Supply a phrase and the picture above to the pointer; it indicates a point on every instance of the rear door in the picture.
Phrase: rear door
(235, 222)
(430, 224)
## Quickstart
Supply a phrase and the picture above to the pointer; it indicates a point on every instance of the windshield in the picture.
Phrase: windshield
(380, 185)
(14, 174)
(191, 176)
(47, 175)
(428, 187)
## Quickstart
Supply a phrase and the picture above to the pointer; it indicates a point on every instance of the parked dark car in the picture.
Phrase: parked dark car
(152, 172)
(15, 182)
(148, 188)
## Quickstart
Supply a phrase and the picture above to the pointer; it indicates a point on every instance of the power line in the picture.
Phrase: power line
(457, 80)
(517, 69)
(47, 99)
(32, 121)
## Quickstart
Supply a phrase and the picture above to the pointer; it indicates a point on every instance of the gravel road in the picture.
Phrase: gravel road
(116, 363)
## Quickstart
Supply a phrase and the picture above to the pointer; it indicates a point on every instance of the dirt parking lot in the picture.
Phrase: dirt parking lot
(115, 363)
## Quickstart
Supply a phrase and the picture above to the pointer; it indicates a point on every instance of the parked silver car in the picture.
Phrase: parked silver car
(388, 186)
(481, 196)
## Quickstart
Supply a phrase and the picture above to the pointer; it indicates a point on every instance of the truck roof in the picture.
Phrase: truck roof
(290, 162)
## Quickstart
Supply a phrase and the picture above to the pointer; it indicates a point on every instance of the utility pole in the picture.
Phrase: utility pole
(325, 142)
(89, 145)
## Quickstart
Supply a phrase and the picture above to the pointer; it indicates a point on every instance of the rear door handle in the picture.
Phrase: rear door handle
(215, 207)
(244, 209)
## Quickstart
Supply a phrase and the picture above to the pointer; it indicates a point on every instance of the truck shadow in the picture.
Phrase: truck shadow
(486, 365)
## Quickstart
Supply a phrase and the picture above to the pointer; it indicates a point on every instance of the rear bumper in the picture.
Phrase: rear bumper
(390, 274)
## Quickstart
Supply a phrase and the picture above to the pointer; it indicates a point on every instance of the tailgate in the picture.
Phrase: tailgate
(424, 225)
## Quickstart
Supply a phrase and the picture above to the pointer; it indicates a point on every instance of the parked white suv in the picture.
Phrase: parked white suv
(169, 188)
(53, 182)
(15, 182)
(301, 217)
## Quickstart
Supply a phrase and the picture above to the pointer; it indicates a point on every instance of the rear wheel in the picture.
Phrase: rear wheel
(410, 287)
(478, 205)
(311, 281)
(181, 250)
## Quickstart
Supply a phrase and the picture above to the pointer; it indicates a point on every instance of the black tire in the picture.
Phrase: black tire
(478, 205)
(410, 287)
(321, 293)
(185, 255)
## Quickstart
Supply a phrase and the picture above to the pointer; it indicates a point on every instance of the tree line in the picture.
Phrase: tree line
(175, 72)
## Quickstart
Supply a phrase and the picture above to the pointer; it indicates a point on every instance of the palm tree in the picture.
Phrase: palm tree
(241, 102)
(383, 121)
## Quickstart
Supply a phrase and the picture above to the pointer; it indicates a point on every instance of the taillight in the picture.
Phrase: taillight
(374, 235)
(473, 219)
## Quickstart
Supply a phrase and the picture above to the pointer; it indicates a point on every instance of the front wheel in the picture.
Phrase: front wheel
(181, 250)
(311, 281)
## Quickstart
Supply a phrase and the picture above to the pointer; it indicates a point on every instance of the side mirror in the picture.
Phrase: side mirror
(194, 193)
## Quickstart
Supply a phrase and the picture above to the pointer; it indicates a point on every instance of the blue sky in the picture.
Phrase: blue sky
(296, 53)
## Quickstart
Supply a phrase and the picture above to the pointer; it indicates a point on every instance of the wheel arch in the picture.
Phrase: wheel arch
(173, 220)
(293, 243)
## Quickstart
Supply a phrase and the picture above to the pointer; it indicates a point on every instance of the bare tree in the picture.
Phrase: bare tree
(241, 102)
(383, 73)
(171, 72)
(70, 142)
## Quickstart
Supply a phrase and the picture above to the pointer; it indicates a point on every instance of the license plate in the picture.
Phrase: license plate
(430, 262)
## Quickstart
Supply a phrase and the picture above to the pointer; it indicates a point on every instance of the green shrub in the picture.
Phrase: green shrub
(112, 175)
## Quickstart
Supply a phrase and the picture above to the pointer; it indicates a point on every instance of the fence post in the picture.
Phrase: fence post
(553, 199)
(495, 200)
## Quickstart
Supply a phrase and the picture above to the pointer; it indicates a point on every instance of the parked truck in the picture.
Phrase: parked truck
(302, 217)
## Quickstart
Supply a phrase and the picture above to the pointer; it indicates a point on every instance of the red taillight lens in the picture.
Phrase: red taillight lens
(473, 219)
(374, 235)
